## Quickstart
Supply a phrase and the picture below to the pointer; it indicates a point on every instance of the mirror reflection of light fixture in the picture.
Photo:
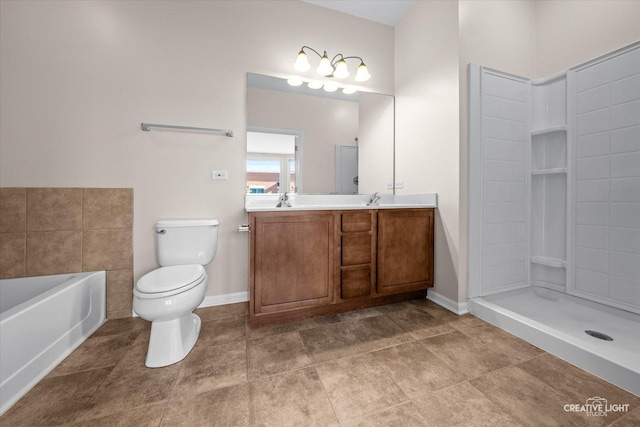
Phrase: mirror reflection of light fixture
(327, 86)
(330, 87)
(295, 82)
(336, 67)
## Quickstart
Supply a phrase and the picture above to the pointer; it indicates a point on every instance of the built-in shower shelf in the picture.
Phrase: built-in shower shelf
(549, 262)
(550, 171)
(551, 129)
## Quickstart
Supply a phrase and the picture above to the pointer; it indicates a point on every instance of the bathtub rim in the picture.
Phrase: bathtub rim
(46, 295)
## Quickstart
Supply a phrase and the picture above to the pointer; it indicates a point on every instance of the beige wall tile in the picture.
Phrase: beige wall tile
(12, 255)
(119, 290)
(54, 252)
(107, 208)
(107, 249)
(54, 209)
(13, 210)
(41, 233)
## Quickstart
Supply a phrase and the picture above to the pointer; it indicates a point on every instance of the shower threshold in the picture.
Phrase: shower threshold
(556, 322)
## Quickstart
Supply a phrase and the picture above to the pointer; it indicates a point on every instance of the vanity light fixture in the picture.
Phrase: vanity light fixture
(336, 67)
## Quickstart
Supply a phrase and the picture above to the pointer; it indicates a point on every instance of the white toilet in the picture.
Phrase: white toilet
(167, 296)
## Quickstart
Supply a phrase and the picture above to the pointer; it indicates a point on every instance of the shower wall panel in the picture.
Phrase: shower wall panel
(607, 180)
(499, 184)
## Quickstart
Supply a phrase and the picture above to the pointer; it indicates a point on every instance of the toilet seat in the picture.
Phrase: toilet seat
(168, 281)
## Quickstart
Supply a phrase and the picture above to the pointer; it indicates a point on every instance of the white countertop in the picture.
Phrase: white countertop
(268, 202)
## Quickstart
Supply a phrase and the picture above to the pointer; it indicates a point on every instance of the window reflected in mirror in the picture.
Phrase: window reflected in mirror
(271, 163)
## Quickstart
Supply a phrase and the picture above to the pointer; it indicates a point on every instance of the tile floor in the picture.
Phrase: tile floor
(406, 364)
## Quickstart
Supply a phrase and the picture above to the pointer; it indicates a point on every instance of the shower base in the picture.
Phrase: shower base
(556, 322)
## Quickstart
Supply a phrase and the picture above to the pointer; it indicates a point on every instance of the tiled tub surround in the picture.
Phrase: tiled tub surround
(68, 230)
(409, 364)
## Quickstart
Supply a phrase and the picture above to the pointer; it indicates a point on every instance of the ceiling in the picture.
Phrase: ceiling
(388, 12)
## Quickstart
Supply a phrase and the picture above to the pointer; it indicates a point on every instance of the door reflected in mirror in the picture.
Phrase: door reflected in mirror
(301, 140)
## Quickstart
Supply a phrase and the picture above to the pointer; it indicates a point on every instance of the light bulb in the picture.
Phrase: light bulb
(341, 70)
(363, 74)
(325, 68)
(330, 87)
(314, 85)
(302, 63)
(294, 82)
(348, 90)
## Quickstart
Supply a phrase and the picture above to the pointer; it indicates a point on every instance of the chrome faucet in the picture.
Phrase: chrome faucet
(284, 201)
(374, 199)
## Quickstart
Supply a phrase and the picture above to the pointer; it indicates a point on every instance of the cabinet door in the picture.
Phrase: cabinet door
(293, 261)
(405, 250)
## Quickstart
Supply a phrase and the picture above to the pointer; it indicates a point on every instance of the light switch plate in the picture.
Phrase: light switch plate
(219, 175)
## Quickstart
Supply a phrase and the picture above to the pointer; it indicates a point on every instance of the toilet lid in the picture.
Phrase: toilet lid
(165, 279)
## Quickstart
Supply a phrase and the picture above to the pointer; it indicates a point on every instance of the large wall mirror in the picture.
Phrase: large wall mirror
(304, 140)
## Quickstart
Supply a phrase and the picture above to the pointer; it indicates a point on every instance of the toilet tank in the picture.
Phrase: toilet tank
(186, 241)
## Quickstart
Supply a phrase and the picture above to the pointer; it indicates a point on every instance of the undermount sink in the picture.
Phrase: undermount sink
(269, 202)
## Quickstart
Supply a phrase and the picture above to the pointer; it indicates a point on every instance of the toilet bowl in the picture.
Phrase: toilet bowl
(167, 295)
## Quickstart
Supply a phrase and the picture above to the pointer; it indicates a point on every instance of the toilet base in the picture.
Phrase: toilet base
(172, 340)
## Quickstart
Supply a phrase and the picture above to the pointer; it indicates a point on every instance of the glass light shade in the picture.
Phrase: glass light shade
(363, 74)
(330, 87)
(295, 82)
(325, 68)
(302, 63)
(314, 85)
(341, 70)
(348, 90)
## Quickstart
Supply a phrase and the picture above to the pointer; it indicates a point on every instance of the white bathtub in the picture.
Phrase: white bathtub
(42, 320)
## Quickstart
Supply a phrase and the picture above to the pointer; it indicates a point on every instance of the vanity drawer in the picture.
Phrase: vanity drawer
(356, 222)
(356, 282)
(356, 249)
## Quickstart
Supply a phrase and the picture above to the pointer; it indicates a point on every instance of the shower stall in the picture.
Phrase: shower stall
(554, 210)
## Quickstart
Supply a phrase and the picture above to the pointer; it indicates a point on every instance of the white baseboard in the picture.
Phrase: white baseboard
(213, 300)
(458, 308)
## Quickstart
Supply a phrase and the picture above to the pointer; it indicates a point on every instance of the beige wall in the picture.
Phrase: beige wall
(375, 143)
(427, 118)
(324, 122)
(569, 33)
(77, 78)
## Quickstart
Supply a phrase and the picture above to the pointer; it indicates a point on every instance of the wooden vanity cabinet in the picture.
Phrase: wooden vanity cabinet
(309, 263)
(405, 250)
(291, 261)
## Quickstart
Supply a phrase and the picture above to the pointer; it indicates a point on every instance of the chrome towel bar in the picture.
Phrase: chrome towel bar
(147, 127)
